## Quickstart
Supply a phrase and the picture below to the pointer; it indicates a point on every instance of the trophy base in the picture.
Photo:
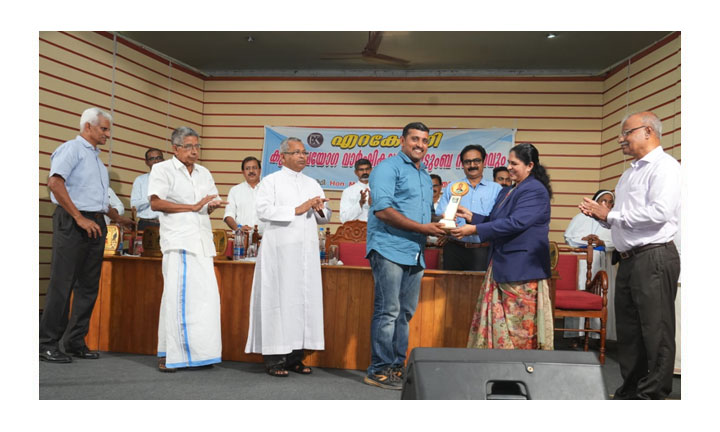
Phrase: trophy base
(448, 224)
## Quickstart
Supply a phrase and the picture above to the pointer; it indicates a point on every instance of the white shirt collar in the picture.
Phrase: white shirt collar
(651, 157)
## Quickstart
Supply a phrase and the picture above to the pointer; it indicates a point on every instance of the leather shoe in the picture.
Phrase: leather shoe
(84, 353)
(54, 356)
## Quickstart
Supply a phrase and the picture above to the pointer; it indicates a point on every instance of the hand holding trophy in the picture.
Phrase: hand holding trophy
(458, 190)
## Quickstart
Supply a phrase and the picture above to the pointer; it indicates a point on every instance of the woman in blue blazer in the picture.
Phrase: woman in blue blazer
(513, 309)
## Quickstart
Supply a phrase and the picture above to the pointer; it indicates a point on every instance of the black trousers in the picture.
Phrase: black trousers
(458, 257)
(645, 289)
(75, 268)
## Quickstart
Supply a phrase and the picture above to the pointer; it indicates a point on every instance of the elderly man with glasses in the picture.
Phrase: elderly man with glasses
(184, 193)
(643, 224)
(139, 196)
(286, 307)
(470, 253)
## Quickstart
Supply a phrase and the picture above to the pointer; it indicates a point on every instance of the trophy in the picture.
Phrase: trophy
(112, 240)
(458, 190)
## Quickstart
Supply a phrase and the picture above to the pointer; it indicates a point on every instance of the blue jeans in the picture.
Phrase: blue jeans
(397, 288)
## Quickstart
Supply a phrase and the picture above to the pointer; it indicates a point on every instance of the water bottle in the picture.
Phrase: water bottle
(321, 241)
(120, 240)
(239, 244)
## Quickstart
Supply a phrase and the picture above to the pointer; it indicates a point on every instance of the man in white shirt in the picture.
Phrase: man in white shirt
(139, 196)
(355, 200)
(185, 194)
(240, 212)
(286, 306)
(643, 224)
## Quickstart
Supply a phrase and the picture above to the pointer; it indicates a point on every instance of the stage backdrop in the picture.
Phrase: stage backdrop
(333, 152)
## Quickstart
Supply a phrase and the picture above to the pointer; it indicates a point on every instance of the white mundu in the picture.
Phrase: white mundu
(189, 327)
(286, 311)
(350, 203)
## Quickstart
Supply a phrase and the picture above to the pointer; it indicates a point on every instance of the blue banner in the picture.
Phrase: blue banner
(333, 152)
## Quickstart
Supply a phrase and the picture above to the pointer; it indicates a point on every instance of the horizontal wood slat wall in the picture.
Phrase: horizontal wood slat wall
(561, 117)
(572, 121)
(147, 96)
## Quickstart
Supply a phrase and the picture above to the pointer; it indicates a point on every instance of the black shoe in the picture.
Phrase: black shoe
(54, 356)
(84, 353)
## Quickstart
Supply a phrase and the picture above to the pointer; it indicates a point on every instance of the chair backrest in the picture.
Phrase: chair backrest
(432, 258)
(349, 232)
(353, 254)
(568, 266)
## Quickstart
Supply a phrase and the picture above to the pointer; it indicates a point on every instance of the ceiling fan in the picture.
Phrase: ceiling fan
(369, 53)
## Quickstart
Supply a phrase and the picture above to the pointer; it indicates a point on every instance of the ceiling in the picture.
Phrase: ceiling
(317, 53)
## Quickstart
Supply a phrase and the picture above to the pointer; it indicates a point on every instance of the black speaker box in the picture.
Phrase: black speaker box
(467, 373)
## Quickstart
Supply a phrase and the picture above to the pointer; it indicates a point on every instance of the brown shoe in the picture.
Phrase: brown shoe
(162, 367)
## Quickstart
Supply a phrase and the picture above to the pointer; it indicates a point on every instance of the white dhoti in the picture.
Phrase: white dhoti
(189, 327)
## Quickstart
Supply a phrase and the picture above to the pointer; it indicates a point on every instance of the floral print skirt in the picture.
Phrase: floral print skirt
(515, 315)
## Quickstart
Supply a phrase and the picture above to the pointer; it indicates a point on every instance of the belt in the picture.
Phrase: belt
(146, 219)
(468, 245)
(94, 215)
(634, 251)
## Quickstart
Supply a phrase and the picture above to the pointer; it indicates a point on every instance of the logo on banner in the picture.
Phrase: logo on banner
(315, 140)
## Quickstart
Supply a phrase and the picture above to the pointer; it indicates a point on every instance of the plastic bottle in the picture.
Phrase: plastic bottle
(321, 241)
(120, 243)
(239, 244)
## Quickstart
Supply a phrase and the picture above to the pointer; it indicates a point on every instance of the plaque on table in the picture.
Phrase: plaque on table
(112, 240)
(151, 242)
(220, 239)
(457, 191)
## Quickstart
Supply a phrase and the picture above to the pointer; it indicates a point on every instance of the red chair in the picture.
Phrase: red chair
(432, 258)
(590, 303)
(353, 254)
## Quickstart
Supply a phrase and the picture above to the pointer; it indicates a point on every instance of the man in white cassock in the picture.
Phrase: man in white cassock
(185, 194)
(286, 311)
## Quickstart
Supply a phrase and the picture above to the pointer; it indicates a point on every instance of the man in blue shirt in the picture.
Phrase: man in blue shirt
(398, 224)
(470, 253)
(78, 184)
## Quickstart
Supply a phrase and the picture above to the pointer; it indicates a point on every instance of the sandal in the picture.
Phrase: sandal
(162, 367)
(277, 371)
(301, 369)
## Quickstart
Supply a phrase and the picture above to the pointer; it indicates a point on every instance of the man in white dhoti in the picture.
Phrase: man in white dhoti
(185, 194)
(286, 313)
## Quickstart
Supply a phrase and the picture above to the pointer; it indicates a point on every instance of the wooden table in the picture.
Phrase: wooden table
(125, 317)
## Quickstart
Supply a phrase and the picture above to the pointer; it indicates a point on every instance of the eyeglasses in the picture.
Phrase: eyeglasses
(629, 131)
(156, 158)
(472, 161)
(190, 146)
(297, 153)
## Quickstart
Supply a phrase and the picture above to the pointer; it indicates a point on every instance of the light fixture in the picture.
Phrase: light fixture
(551, 35)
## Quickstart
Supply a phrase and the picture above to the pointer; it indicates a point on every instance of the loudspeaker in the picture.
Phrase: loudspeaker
(467, 373)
